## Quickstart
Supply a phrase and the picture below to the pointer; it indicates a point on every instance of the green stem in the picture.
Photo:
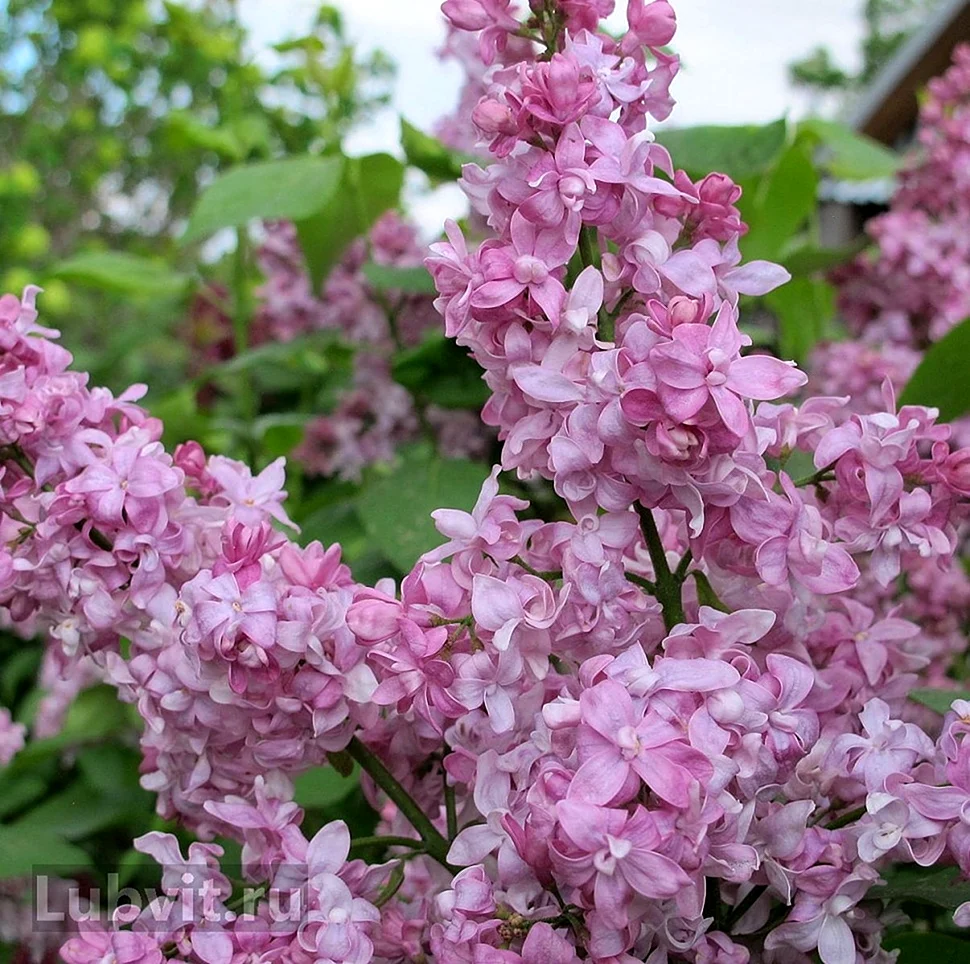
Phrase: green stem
(684, 565)
(713, 905)
(589, 247)
(645, 584)
(16, 454)
(240, 312)
(589, 252)
(434, 843)
(550, 575)
(846, 819)
(451, 809)
(392, 886)
(741, 909)
(359, 843)
(706, 595)
(817, 478)
(667, 584)
(246, 901)
(248, 402)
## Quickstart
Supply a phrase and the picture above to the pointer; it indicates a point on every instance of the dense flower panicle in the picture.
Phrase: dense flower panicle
(670, 722)
(915, 283)
(108, 536)
(321, 913)
(904, 294)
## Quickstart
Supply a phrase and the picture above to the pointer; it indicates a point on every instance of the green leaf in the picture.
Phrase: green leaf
(938, 700)
(940, 886)
(287, 366)
(919, 947)
(126, 274)
(368, 187)
(808, 259)
(184, 129)
(338, 522)
(179, 412)
(799, 464)
(17, 793)
(379, 179)
(940, 381)
(279, 433)
(740, 152)
(786, 200)
(428, 154)
(94, 715)
(19, 669)
(311, 44)
(848, 155)
(439, 371)
(76, 813)
(804, 308)
(24, 848)
(111, 768)
(293, 189)
(396, 506)
(323, 787)
(415, 281)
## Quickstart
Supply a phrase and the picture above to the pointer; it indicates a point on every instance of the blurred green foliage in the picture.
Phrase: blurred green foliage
(888, 24)
(779, 167)
(114, 116)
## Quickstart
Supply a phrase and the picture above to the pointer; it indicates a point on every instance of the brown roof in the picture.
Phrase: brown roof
(887, 110)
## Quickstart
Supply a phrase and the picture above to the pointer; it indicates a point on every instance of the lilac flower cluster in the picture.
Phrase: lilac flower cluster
(106, 537)
(671, 723)
(900, 297)
(914, 286)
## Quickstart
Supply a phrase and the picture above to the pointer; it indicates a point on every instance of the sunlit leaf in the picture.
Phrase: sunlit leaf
(785, 201)
(121, 272)
(739, 152)
(805, 308)
(938, 700)
(369, 186)
(428, 154)
(293, 189)
(848, 155)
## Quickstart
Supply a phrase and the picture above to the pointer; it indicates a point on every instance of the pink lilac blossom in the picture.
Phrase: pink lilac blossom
(670, 723)
(916, 285)
(913, 286)
(906, 293)
(108, 536)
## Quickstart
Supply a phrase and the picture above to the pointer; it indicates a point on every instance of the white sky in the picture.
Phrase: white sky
(735, 54)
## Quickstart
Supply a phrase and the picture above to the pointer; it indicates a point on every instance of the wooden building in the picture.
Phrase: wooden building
(887, 111)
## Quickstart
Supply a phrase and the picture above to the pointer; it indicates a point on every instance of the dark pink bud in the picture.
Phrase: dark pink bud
(466, 14)
(493, 117)
(653, 23)
(373, 620)
(956, 471)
